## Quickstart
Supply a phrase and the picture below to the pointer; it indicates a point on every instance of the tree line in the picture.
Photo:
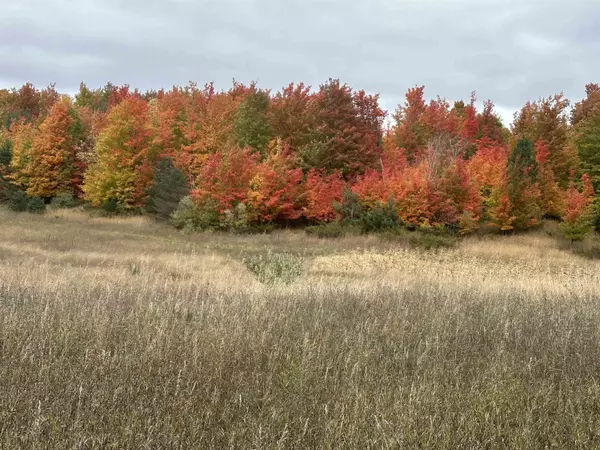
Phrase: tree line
(246, 156)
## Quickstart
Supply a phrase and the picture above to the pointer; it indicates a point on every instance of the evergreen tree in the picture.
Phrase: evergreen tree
(5, 153)
(587, 140)
(5, 157)
(522, 190)
(167, 191)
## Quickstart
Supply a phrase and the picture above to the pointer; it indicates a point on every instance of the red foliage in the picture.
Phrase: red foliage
(407, 187)
(470, 126)
(453, 194)
(576, 202)
(290, 115)
(275, 190)
(225, 178)
(417, 123)
(321, 190)
(271, 190)
(490, 126)
(349, 125)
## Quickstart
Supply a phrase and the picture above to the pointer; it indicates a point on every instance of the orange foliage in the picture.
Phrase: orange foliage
(321, 191)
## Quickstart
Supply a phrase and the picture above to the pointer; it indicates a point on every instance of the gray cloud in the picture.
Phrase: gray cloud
(509, 51)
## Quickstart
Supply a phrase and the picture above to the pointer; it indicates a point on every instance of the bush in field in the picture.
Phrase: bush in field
(36, 205)
(5, 190)
(380, 218)
(64, 201)
(432, 241)
(578, 229)
(274, 267)
(350, 208)
(168, 189)
(190, 217)
(596, 214)
(578, 219)
(327, 230)
(110, 206)
(236, 219)
(17, 201)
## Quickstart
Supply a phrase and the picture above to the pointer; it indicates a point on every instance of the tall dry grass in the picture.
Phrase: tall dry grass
(125, 334)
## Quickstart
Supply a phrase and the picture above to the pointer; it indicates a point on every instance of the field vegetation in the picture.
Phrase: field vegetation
(126, 333)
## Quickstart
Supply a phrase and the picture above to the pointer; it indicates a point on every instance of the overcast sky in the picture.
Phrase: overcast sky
(507, 50)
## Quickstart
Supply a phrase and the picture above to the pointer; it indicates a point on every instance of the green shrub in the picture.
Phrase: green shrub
(36, 205)
(110, 206)
(350, 208)
(236, 219)
(167, 191)
(380, 218)
(6, 189)
(432, 241)
(5, 152)
(272, 267)
(17, 201)
(64, 201)
(264, 228)
(333, 230)
(394, 235)
(578, 230)
(596, 213)
(190, 217)
(326, 230)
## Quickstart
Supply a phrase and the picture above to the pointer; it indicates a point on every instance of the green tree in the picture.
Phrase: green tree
(5, 157)
(587, 140)
(546, 120)
(522, 189)
(167, 191)
(5, 153)
(252, 126)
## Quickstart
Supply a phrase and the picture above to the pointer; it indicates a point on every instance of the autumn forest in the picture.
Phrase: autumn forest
(248, 157)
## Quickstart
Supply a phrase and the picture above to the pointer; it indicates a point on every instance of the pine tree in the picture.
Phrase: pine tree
(521, 187)
(167, 191)
(587, 141)
(5, 157)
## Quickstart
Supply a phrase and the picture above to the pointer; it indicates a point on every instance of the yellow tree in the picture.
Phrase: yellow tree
(21, 135)
(122, 171)
(51, 164)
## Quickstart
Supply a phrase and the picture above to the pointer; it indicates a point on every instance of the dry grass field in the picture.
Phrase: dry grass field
(125, 334)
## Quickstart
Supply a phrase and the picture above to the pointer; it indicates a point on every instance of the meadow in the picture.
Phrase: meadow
(122, 333)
